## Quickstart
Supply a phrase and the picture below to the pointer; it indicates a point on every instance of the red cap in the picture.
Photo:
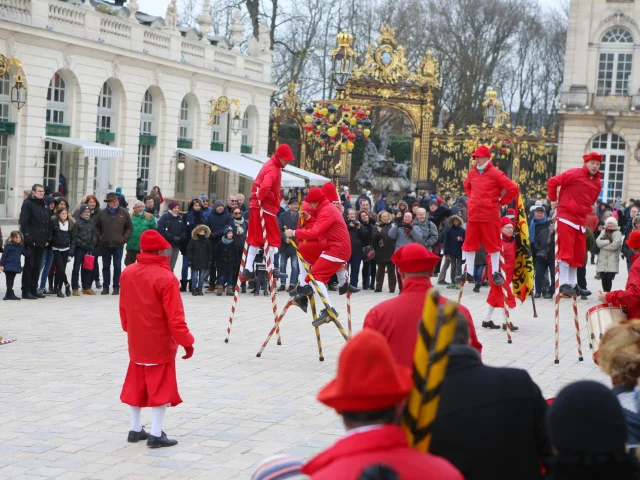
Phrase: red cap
(593, 156)
(153, 241)
(368, 377)
(506, 221)
(330, 191)
(482, 152)
(634, 240)
(283, 152)
(439, 200)
(314, 195)
(511, 211)
(415, 258)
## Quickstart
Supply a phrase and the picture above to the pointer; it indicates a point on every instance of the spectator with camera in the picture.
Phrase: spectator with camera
(405, 233)
(357, 234)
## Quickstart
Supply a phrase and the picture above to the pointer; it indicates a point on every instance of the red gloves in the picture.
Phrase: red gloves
(188, 351)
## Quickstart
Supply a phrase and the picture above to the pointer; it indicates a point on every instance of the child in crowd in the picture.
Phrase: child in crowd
(226, 260)
(10, 262)
(63, 245)
(199, 254)
(262, 278)
(453, 240)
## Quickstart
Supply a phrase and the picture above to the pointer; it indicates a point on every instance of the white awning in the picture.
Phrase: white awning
(232, 162)
(86, 147)
(313, 178)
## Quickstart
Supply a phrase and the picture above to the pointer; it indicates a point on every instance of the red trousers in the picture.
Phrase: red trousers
(496, 296)
(152, 386)
(572, 245)
(254, 235)
(324, 269)
(311, 251)
(479, 233)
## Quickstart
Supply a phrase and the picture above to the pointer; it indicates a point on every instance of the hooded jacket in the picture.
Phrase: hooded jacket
(172, 228)
(610, 244)
(454, 238)
(35, 222)
(199, 250)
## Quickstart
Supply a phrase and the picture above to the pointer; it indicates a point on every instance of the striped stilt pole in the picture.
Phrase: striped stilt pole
(463, 282)
(314, 315)
(577, 324)
(557, 299)
(275, 327)
(505, 291)
(4, 341)
(237, 291)
(348, 308)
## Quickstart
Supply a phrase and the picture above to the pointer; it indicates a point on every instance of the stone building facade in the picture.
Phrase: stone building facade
(600, 103)
(110, 74)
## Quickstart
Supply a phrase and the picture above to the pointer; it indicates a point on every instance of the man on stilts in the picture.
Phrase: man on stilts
(266, 188)
(484, 186)
(152, 314)
(329, 229)
(579, 190)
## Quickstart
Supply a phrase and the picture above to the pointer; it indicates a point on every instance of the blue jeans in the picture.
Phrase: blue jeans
(85, 275)
(47, 261)
(197, 278)
(185, 271)
(477, 273)
(285, 256)
(354, 269)
(541, 268)
(225, 274)
(109, 253)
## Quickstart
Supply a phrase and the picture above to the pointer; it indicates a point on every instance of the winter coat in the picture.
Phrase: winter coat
(10, 259)
(384, 444)
(610, 245)
(366, 230)
(288, 219)
(484, 191)
(269, 180)
(579, 191)
(543, 246)
(140, 190)
(192, 219)
(399, 234)
(429, 232)
(114, 229)
(453, 240)
(240, 228)
(629, 298)
(441, 213)
(35, 222)
(382, 243)
(62, 239)
(216, 223)
(86, 234)
(172, 228)
(357, 237)
(151, 310)
(492, 406)
(329, 227)
(226, 253)
(631, 416)
(97, 251)
(397, 319)
(199, 250)
(140, 223)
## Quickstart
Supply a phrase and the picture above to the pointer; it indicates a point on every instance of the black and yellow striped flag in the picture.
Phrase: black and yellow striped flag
(430, 360)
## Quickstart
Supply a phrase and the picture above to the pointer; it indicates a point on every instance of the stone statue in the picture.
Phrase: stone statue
(380, 172)
(370, 151)
(385, 139)
(171, 17)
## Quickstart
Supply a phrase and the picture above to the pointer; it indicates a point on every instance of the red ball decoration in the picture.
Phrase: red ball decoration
(308, 127)
(351, 136)
(360, 114)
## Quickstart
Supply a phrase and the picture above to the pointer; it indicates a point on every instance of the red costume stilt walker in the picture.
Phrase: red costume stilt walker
(629, 298)
(579, 190)
(152, 314)
(266, 188)
(484, 186)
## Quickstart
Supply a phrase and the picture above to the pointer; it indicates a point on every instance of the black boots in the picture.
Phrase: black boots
(10, 295)
(490, 325)
(183, 285)
(324, 317)
(161, 441)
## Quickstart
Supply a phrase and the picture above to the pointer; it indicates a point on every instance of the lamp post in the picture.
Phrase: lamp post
(343, 58)
(222, 105)
(494, 115)
(18, 91)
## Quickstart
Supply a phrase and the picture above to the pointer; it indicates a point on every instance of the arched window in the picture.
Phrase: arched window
(146, 129)
(219, 132)
(57, 113)
(57, 100)
(183, 124)
(614, 149)
(245, 129)
(104, 124)
(615, 62)
(105, 108)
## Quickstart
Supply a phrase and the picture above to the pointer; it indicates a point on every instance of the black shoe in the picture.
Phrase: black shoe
(392, 291)
(513, 327)
(161, 441)
(183, 285)
(584, 297)
(333, 287)
(598, 276)
(301, 301)
(243, 287)
(378, 290)
(116, 291)
(11, 296)
(536, 295)
(194, 292)
(476, 288)
(498, 279)
(343, 289)
(443, 282)
(248, 275)
(98, 284)
(59, 293)
(460, 278)
(490, 325)
(67, 289)
(28, 296)
(372, 287)
(39, 295)
(324, 317)
(200, 293)
(581, 292)
(365, 287)
(105, 291)
(568, 290)
(282, 288)
(279, 274)
(306, 290)
(549, 295)
(135, 437)
(265, 293)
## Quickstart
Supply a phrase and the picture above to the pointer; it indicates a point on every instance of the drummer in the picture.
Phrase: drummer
(629, 298)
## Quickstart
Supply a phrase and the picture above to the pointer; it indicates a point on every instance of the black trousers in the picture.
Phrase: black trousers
(31, 270)
(11, 276)
(60, 259)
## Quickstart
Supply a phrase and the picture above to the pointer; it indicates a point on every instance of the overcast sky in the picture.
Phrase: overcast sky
(159, 7)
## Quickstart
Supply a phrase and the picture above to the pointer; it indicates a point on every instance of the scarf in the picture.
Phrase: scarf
(240, 225)
(112, 211)
(481, 169)
(532, 227)
(226, 240)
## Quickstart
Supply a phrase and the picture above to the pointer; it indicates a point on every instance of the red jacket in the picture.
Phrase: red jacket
(330, 226)
(484, 191)
(630, 296)
(151, 310)
(268, 180)
(397, 319)
(579, 191)
(387, 445)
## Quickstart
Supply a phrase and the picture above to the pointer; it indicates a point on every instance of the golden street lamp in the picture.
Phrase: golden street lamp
(18, 91)
(343, 59)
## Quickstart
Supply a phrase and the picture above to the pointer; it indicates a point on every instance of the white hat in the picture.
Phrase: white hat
(611, 220)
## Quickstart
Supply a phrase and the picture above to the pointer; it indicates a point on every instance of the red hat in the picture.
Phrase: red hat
(314, 195)
(283, 152)
(506, 221)
(153, 241)
(415, 258)
(439, 200)
(368, 377)
(511, 211)
(482, 152)
(593, 156)
(633, 241)
(330, 191)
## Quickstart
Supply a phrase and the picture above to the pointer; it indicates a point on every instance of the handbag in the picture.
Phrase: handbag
(88, 262)
(368, 253)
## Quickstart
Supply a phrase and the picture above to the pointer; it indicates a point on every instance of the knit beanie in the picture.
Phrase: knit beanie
(218, 203)
(279, 467)
(83, 208)
(586, 417)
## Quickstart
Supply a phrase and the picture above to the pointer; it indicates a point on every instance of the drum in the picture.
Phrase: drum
(599, 318)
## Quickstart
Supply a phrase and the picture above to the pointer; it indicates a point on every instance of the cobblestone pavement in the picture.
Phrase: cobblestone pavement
(60, 414)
